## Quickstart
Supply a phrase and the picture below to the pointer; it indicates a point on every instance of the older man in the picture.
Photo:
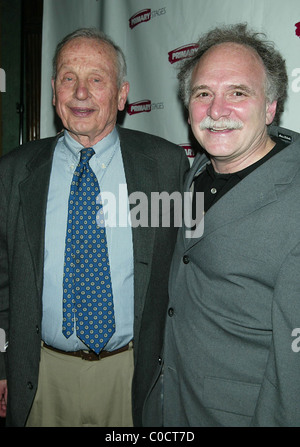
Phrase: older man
(83, 302)
(234, 290)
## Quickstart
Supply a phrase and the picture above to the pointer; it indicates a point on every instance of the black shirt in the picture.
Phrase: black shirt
(215, 185)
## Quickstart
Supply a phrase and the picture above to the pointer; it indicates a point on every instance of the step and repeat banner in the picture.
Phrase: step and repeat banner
(155, 36)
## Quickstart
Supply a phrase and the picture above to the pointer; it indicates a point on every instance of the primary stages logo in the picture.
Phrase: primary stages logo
(188, 149)
(142, 106)
(139, 107)
(182, 52)
(144, 16)
(140, 17)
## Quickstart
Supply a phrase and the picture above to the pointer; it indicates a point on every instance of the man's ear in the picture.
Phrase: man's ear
(270, 112)
(53, 91)
(123, 94)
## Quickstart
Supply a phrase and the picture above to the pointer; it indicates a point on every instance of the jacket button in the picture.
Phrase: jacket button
(29, 385)
(186, 259)
(37, 329)
(159, 360)
(171, 312)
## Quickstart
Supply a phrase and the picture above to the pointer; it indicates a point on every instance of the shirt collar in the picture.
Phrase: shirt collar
(104, 149)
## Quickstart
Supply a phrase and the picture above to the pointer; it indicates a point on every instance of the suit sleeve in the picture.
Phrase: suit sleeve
(4, 283)
(279, 400)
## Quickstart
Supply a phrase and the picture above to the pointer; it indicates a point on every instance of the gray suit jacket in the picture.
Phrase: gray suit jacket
(229, 354)
(151, 164)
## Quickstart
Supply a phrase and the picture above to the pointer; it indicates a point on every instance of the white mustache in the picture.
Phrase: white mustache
(224, 123)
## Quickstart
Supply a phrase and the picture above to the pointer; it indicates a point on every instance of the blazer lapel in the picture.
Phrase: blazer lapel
(253, 192)
(33, 193)
(141, 177)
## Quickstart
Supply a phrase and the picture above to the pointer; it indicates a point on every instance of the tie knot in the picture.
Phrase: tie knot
(86, 153)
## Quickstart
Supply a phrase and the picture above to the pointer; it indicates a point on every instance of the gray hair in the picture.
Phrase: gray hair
(93, 33)
(275, 67)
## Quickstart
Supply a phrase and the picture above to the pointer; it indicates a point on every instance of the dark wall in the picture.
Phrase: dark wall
(10, 52)
(20, 57)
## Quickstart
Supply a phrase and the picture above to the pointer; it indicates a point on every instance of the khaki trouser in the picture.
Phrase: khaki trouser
(79, 393)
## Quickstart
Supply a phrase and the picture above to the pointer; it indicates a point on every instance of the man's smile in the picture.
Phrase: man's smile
(82, 111)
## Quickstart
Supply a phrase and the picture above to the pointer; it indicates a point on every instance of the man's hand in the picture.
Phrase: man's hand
(3, 398)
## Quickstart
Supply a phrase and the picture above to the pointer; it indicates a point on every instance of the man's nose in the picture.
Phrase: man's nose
(218, 108)
(82, 91)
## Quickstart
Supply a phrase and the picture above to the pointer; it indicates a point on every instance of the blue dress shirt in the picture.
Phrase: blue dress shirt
(108, 167)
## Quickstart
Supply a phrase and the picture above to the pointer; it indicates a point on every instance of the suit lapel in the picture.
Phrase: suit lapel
(237, 203)
(141, 176)
(33, 194)
(253, 192)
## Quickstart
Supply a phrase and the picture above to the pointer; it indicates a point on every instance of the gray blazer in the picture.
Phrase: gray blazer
(229, 354)
(151, 164)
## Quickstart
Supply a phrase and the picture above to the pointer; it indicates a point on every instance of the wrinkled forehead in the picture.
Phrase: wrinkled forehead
(82, 49)
(230, 59)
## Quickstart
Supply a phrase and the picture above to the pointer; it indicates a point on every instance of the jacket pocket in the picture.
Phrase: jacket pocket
(230, 395)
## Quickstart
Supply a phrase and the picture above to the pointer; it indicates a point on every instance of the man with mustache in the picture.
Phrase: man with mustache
(83, 303)
(230, 356)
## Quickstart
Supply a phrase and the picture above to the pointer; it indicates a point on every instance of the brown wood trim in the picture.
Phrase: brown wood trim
(32, 40)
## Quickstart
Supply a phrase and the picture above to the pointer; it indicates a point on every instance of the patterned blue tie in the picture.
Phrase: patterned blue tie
(87, 290)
